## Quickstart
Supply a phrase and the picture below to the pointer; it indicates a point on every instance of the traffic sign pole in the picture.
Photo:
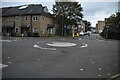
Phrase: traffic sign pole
(107, 32)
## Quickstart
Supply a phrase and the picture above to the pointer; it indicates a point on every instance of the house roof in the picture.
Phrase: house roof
(32, 9)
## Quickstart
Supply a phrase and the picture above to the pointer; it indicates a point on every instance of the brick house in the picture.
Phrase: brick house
(26, 19)
(100, 26)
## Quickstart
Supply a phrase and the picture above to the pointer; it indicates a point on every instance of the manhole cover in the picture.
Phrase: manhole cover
(61, 44)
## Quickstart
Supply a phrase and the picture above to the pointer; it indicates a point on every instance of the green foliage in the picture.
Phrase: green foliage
(69, 12)
(114, 27)
(114, 19)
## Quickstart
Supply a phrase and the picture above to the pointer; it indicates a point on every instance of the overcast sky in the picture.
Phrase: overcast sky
(92, 11)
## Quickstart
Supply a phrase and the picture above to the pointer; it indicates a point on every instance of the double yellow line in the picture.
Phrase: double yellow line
(115, 77)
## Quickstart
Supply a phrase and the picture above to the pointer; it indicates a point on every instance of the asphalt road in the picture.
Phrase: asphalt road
(99, 59)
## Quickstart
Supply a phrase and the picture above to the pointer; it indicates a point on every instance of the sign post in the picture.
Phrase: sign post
(107, 32)
(65, 30)
(73, 35)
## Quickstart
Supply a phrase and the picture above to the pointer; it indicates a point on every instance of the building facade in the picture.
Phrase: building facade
(27, 20)
(100, 26)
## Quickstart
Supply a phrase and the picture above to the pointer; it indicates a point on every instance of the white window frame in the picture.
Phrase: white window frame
(16, 30)
(34, 18)
(35, 31)
(26, 18)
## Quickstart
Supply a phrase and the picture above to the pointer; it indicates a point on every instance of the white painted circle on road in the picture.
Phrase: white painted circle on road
(36, 46)
(61, 44)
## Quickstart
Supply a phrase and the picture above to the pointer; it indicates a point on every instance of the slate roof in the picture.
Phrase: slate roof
(32, 9)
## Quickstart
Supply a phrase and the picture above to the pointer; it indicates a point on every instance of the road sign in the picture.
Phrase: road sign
(65, 26)
(107, 26)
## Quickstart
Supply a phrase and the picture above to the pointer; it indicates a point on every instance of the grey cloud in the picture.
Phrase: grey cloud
(92, 8)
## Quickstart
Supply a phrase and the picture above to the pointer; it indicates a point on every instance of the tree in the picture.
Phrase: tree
(67, 13)
(114, 30)
(71, 11)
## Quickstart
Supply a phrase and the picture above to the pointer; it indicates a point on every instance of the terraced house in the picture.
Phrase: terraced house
(27, 20)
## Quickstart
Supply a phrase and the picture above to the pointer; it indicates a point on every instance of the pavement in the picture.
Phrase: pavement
(89, 58)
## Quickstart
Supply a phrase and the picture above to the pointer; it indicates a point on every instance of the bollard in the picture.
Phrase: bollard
(73, 35)
(77, 34)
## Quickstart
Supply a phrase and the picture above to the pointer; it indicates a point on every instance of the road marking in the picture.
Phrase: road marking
(3, 66)
(36, 46)
(100, 40)
(109, 41)
(15, 40)
(99, 75)
(79, 39)
(84, 45)
(61, 44)
(100, 69)
(5, 40)
(108, 74)
(92, 62)
(81, 69)
(8, 57)
(9, 62)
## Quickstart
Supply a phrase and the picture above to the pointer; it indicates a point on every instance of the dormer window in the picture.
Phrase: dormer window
(45, 9)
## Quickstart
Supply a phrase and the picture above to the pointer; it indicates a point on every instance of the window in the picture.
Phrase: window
(35, 30)
(16, 18)
(43, 18)
(16, 30)
(34, 18)
(26, 18)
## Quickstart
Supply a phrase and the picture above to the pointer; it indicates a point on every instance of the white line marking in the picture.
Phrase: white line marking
(3, 66)
(100, 40)
(84, 45)
(108, 74)
(81, 69)
(36, 46)
(15, 40)
(79, 39)
(109, 41)
(99, 68)
(6, 40)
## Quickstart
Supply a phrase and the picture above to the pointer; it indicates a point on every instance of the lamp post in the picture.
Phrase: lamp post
(62, 23)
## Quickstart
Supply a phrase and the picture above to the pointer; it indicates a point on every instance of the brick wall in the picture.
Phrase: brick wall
(41, 23)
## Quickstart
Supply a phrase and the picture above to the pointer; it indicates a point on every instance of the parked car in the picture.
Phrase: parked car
(89, 33)
(81, 33)
(85, 33)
